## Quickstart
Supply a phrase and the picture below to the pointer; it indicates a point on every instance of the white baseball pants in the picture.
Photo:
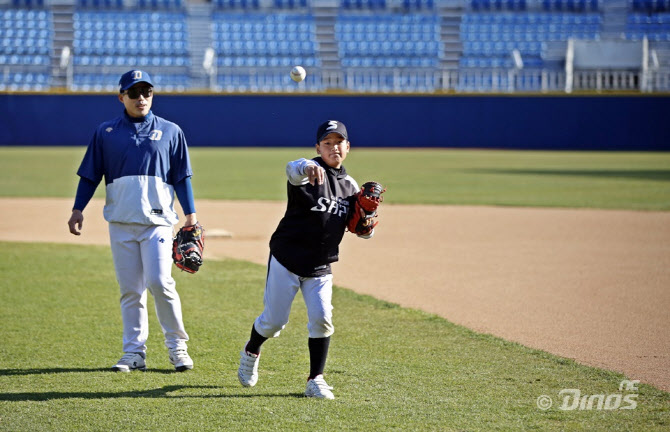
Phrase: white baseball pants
(281, 287)
(143, 259)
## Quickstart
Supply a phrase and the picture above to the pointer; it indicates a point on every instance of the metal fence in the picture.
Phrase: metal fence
(494, 80)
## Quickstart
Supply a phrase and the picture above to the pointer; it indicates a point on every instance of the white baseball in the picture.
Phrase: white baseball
(298, 73)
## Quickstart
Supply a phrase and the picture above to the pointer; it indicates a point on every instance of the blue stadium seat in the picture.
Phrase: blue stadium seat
(497, 35)
(263, 41)
(26, 37)
(101, 38)
(653, 26)
(388, 40)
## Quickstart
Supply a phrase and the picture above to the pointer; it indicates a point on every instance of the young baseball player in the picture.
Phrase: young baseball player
(144, 160)
(301, 250)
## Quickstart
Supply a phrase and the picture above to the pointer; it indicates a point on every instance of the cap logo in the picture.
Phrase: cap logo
(332, 124)
(137, 75)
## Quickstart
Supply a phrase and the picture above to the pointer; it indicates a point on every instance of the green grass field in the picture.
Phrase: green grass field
(61, 333)
(62, 327)
(639, 181)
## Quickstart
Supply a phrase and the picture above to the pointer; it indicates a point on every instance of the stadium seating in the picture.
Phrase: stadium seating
(254, 50)
(488, 5)
(291, 4)
(100, 4)
(362, 4)
(25, 47)
(160, 4)
(408, 6)
(237, 4)
(547, 5)
(654, 26)
(649, 6)
(251, 5)
(19, 4)
(490, 38)
(387, 41)
(104, 46)
(109, 82)
(136, 4)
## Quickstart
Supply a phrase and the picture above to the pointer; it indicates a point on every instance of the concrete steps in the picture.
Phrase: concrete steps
(63, 24)
(450, 29)
(199, 22)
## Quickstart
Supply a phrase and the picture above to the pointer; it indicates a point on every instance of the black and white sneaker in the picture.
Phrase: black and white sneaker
(318, 388)
(248, 370)
(180, 359)
(129, 362)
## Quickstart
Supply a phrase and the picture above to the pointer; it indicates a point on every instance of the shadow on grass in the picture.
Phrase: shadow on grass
(657, 175)
(49, 371)
(162, 392)
(10, 372)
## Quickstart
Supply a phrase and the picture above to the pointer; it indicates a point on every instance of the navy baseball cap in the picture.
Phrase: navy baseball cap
(133, 77)
(331, 126)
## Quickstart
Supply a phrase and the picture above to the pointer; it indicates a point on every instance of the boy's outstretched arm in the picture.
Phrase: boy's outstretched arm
(303, 171)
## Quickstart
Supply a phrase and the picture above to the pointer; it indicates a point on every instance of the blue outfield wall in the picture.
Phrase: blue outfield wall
(620, 122)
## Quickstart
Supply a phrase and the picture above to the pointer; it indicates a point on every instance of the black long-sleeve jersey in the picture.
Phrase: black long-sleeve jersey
(307, 238)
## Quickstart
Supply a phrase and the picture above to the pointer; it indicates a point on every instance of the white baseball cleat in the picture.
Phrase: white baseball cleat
(180, 359)
(318, 388)
(248, 371)
(130, 362)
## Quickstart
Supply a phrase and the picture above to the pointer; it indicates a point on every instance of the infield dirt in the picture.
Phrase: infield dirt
(590, 285)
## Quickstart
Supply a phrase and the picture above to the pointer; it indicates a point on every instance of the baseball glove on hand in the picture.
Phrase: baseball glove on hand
(187, 247)
(365, 209)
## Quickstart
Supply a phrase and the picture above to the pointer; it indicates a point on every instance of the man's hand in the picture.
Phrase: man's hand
(191, 219)
(76, 221)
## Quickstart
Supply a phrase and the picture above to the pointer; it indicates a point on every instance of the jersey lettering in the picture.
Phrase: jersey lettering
(322, 205)
(336, 206)
(333, 206)
(343, 208)
(155, 135)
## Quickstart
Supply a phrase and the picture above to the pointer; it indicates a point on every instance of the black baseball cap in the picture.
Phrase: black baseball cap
(331, 126)
(133, 77)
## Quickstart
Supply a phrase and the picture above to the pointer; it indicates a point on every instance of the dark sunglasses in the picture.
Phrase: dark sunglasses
(135, 92)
